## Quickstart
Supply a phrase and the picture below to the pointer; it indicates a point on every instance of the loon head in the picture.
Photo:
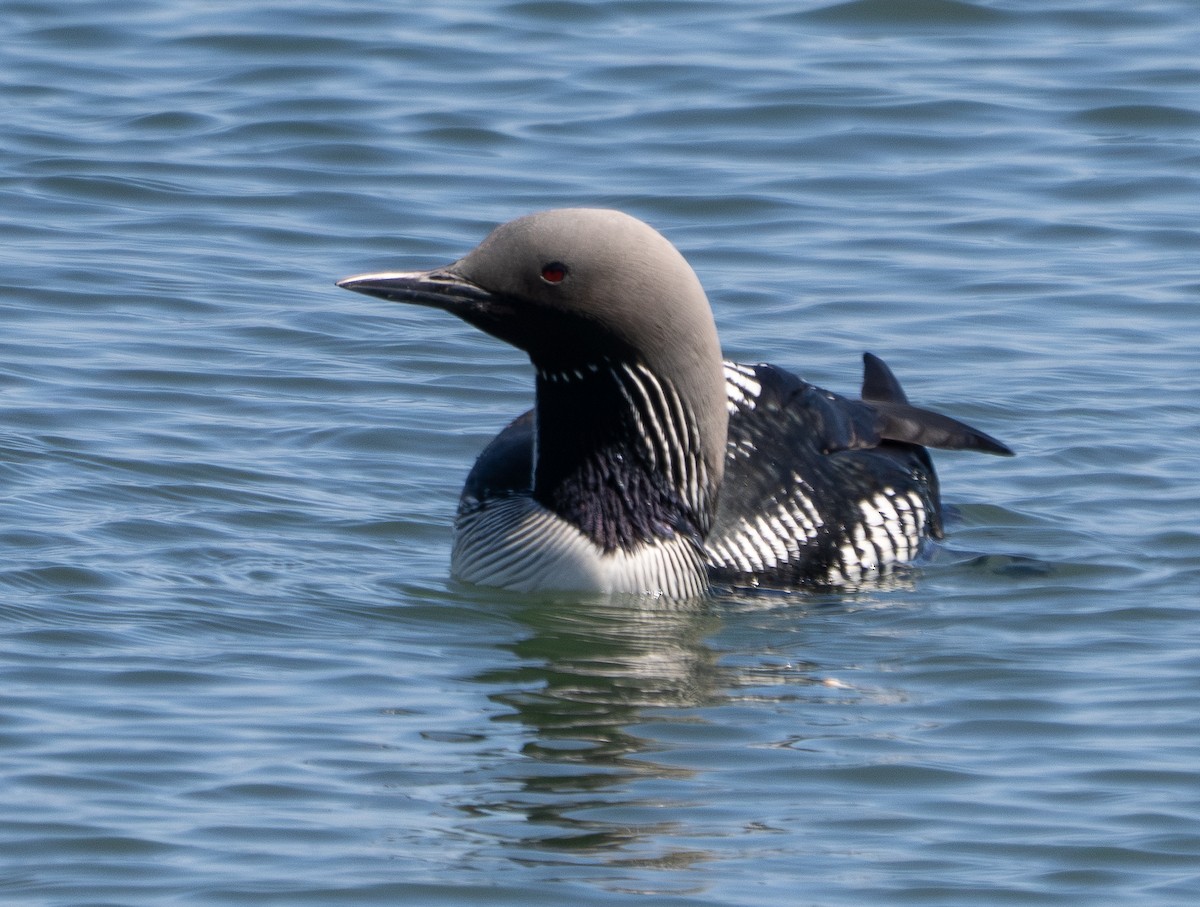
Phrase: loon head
(595, 297)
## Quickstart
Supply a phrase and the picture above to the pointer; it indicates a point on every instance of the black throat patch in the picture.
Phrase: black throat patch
(616, 457)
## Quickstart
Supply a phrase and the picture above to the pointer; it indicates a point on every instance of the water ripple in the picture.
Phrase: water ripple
(235, 668)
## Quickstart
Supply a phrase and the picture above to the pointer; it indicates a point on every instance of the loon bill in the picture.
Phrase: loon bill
(648, 463)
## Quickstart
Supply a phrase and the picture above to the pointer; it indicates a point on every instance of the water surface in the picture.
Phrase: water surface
(232, 667)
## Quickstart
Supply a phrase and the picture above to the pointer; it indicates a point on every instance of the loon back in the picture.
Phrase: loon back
(649, 465)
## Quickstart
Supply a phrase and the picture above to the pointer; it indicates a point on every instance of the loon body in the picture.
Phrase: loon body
(648, 463)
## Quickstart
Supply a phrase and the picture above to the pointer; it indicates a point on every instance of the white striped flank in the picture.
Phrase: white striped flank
(770, 540)
(515, 543)
(890, 533)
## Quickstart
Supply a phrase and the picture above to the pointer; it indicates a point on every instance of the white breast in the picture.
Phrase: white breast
(515, 543)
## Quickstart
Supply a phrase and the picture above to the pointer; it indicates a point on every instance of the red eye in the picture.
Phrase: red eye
(554, 272)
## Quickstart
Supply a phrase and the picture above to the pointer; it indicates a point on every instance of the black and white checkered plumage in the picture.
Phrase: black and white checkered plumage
(812, 493)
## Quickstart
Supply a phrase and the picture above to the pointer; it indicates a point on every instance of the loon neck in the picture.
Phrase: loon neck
(618, 454)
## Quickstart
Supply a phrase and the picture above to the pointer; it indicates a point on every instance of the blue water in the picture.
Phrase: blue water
(233, 669)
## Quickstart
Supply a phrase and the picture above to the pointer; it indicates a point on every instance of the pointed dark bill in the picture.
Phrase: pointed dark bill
(438, 288)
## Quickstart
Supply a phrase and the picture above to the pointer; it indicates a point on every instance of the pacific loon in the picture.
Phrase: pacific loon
(648, 463)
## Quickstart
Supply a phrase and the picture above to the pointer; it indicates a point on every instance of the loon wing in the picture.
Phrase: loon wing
(823, 489)
(896, 420)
